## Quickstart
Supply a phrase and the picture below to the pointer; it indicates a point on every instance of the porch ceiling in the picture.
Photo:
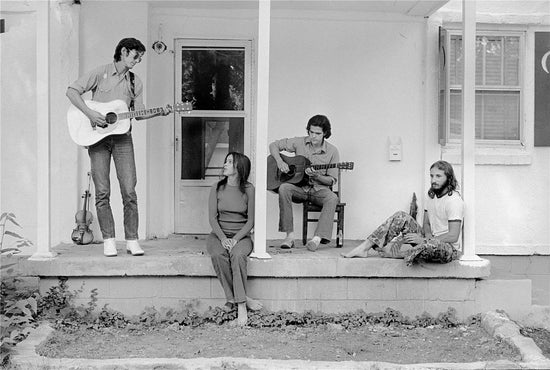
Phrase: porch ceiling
(421, 8)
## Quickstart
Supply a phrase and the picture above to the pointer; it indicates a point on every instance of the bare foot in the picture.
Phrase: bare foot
(360, 251)
(253, 304)
(242, 316)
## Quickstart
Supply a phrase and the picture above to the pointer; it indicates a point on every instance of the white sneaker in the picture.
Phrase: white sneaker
(109, 247)
(132, 246)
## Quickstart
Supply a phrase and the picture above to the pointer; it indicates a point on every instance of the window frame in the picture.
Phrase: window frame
(246, 113)
(452, 143)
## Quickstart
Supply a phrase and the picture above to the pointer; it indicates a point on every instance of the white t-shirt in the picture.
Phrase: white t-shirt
(441, 210)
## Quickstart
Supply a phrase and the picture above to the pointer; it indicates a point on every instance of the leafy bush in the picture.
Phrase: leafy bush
(17, 311)
(57, 305)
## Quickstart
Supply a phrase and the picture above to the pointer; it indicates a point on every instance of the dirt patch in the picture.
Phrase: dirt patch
(329, 342)
(541, 337)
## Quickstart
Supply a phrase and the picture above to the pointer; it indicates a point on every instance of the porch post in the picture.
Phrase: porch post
(262, 106)
(43, 131)
(468, 128)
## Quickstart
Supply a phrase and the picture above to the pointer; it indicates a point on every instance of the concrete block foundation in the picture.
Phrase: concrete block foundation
(173, 274)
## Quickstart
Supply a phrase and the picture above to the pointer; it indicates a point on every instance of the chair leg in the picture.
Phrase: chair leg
(340, 228)
(304, 225)
(341, 222)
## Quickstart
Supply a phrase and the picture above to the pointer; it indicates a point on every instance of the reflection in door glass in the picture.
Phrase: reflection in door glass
(213, 79)
(205, 143)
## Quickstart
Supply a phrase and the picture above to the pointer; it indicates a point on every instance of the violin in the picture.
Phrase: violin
(81, 233)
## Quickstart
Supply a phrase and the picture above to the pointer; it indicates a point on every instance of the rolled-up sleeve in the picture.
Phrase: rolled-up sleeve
(87, 81)
(288, 144)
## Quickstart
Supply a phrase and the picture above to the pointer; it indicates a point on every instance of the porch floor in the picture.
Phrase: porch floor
(185, 255)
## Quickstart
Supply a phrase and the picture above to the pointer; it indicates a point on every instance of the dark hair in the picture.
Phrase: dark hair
(320, 121)
(130, 44)
(452, 183)
(242, 165)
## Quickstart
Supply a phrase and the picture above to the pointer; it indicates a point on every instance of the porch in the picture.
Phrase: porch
(177, 270)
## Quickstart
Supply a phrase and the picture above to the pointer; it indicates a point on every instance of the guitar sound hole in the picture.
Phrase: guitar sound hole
(291, 170)
(110, 118)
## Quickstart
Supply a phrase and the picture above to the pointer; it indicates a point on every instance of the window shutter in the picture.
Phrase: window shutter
(442, 120)
(542, 89)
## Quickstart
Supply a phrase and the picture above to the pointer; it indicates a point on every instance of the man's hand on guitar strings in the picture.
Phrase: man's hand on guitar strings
(97, 119)
(283, 166)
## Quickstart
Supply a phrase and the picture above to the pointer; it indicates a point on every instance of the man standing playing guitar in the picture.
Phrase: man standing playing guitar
(111, 82)
(317, 188)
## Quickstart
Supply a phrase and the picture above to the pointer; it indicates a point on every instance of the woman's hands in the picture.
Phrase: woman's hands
(228, 243)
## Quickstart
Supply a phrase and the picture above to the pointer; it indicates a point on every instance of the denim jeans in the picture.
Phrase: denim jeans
(121, 149)
(324, 197)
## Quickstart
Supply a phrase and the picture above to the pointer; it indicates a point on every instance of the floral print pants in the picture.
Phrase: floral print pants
(388, 241)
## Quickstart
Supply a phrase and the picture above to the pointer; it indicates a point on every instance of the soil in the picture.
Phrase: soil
(332, 342)
(541, 337)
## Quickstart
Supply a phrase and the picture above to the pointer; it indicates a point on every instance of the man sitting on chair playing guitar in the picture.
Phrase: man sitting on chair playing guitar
(107, 83)
(316, 188)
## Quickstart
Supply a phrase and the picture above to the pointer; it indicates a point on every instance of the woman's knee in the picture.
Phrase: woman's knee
(241, 250)
(214, 247)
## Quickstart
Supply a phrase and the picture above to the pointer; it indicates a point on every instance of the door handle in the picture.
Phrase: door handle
(177, 144)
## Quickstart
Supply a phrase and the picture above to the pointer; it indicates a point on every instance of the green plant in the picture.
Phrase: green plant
(17, 312)
(19, 242)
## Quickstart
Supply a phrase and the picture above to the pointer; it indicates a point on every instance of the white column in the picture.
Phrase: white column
(43, 131)
(260, 235)
(468, 128)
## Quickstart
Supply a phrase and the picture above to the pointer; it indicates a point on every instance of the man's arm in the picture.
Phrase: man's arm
(96, 118)
(275, 153)
(331, 174)
(454, 231)
(426, 227)
(322, 179)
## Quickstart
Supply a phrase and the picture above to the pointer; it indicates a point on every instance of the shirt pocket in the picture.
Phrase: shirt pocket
(106, 85)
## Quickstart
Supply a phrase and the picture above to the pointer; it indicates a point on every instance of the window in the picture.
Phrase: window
(498, 88)
(213, 78)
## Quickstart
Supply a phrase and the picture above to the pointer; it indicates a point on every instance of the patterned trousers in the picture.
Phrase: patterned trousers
(388, 241)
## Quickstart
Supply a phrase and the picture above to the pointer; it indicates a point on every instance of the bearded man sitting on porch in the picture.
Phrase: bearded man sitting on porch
(400, 236)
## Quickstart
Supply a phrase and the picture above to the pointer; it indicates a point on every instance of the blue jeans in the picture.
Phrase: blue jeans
(121, 149)
(324, 197)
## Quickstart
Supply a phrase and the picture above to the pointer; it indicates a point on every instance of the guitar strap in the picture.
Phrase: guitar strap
(133, 91)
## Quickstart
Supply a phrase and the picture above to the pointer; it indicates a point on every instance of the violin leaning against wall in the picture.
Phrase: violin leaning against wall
(82, 234)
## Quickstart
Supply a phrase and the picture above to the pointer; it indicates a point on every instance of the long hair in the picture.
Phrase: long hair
(452, 183)
(130, 44)
(242, 164)
(320, 121)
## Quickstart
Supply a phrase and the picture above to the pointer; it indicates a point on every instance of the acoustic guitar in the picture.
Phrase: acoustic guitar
(297, 170)
(116, 115)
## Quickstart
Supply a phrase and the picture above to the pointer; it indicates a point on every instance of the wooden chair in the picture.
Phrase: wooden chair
(312, 208)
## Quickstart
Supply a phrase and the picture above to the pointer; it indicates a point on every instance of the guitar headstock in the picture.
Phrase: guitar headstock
(183, 107)
(345, 165)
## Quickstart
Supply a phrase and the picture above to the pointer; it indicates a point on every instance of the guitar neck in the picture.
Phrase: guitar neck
(324, 166)
(139, 113)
